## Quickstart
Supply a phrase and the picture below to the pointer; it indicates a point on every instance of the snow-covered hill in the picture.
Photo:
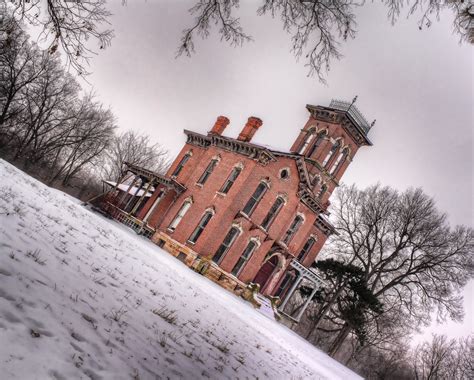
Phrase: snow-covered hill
(84, 297)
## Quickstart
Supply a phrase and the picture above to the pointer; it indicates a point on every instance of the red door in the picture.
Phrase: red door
(265, 272)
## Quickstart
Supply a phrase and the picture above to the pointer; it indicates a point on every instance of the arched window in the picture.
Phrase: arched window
(245, 257)
(331, 153)
(255, 198)
(316, 144)
(295, 225)
(272, 213)
(207, 173)
(226, 244)
(323, 190)
(307, 140)
(306, 248)
(180, 215)
(230, 180)
(181, 164)
(200, 227)
(339, 161)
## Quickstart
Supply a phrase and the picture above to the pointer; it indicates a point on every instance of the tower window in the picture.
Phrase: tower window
(331, 153)
(306, 248)
(316, 144)
(230, 180)
(255, 199)
(181, 165)
(200, 227)
(272, 213)
(180, 215)
(309, 137)
(244, 258)
(339, 162)
(295, 225)
(226, 244)
(207, 173)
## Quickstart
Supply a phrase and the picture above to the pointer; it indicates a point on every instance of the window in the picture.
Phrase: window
(323, 190)
(316, 144)
(200, 227)
(272, 213)
(181, 165)
(333, 150)
(182, 211)
(226, 244)
(284, 285)
(309, 137)
(207, 173)
(230, 180)
(306, 248)
(339, 162)
(255, 198)
(295, 225)
(246, 254)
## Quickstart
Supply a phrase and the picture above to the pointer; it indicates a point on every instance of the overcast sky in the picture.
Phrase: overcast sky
(417, 84)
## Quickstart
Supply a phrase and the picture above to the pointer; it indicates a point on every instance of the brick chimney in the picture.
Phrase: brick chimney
(221, 123)
(253, 123)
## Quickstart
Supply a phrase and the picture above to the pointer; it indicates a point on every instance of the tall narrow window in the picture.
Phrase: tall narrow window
(200, 227)
(230, 180)
(180, 215)
(316, 144)
(244, 258)
(155, 204)
(255, 198)
(309, 137)
(284, 285)
(339, 161)
(295, 225)
(207, 173)
(181, 165)
(226, 244)
(306, 248)
(331, 153)
(272, 213)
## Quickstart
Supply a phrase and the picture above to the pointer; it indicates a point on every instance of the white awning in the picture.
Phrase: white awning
(124, 187)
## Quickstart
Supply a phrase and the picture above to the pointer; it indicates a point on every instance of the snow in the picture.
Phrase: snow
(82, 296)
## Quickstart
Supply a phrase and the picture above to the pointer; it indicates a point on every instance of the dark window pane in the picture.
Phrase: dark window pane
(200, 227)
(230, 181)
(272, 213)
(207, 172)
(181, 165)
(306, 248)
(224, 247)
(254, 199)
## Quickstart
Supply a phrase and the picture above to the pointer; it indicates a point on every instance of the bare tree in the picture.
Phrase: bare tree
(135, 148)
(412, 260)
(444, 359)
(316, 27)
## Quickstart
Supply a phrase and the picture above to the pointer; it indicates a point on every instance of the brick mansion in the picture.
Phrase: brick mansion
(238, 212)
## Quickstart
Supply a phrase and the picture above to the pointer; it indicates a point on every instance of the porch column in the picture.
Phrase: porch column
(303, 309)
(128, 190)
(134, 195)
(135, 208)
(291, 291)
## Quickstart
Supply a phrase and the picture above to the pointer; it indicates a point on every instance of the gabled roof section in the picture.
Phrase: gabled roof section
(179, 188)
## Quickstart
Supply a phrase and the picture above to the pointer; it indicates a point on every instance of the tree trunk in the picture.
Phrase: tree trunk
(340, 338)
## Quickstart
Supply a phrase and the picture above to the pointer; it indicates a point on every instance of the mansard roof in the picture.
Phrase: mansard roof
(347, 115)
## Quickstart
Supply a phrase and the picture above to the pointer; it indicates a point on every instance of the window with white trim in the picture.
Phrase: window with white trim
(230, 180)
(256, 197)
(341, 158)
(207, 173)
(272, 213)
(331, 153)
(180, 215)
(306, 248)
(181, 164)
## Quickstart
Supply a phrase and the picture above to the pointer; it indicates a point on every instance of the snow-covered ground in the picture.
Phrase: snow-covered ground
(83, 297)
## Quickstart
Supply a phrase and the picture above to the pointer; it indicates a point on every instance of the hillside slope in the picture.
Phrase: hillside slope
(84, 297)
